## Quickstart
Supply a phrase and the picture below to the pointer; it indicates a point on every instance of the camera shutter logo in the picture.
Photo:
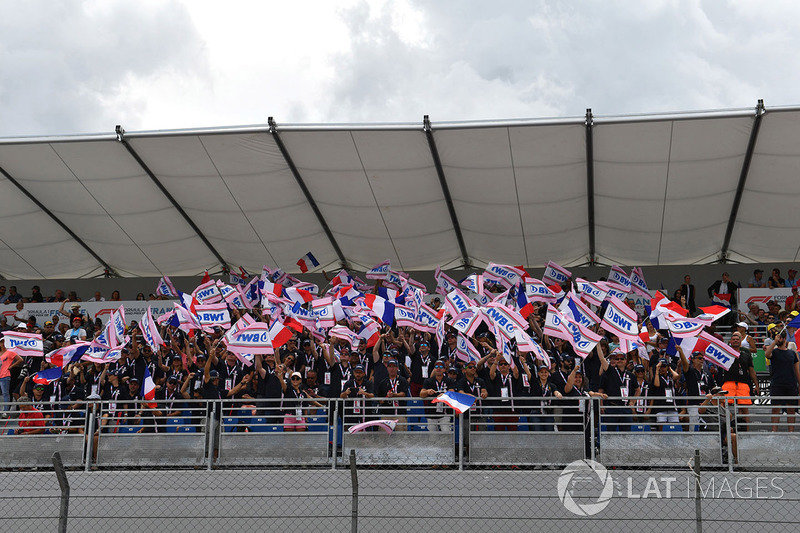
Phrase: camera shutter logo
(582, 468)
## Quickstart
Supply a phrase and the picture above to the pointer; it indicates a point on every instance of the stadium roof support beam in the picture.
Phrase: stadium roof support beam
(121, 138)
(273, 129)
(109, 270)
(590, 185)
(737, 200)
(437, 162)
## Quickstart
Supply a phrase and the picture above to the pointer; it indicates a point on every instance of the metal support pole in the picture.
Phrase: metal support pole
(211, 428)
(354, 482)
(728, 432)
(460, 441)
(698, 513)
(90, 440)
(591, 426)
(63, 482)
(335, 431)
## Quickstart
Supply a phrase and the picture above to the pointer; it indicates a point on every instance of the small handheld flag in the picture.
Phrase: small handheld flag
(307, 261)
(458, 401)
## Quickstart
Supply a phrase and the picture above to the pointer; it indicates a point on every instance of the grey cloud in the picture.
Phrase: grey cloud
(66, 63)
(532, 59)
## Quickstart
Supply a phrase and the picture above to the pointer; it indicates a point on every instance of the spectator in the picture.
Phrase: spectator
(475, 386)
(616, 382)
(13, 295)
(57, 297)
(394, 386)
(757, 281)
(785, 378)
(76, 333)
(98, 297)
(664, 394)
(31, 420)
(436, 384)
(687, 289)
(748, 342)
(294, 418)
(543, 392)
(140, 297)
(724, 287)
(360, 390)
(115, 296)
(642, 400)
(506, 382)
(738, 378)
(792, 301)
(3, 295)
(775, 281)
(791, 280)
(20, 315)
(36, 295)
(8, 360)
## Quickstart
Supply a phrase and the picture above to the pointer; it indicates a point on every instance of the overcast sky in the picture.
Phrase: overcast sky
(81, 66)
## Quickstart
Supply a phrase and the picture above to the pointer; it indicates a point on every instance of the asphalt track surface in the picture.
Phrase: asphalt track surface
(393, 500)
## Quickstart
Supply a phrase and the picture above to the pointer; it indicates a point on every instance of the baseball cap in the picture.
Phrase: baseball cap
(48, 323)
(172, 379)
(359, 367)
(296, 374)
(134, 379)
(697, 354)
(452, 369)
(663, 361)
(213, 374)
(638, 368)
(392, 362)
(742, 325)
(770, 326)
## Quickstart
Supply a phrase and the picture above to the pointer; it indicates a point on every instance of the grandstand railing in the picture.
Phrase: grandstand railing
(319, 433)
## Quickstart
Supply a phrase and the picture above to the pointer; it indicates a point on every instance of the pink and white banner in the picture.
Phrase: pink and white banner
(620, 320)
(555, 274)
(379, 271)
(24, 344)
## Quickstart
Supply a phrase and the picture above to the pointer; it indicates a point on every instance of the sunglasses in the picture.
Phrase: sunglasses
(295, 379)
(502, 364)
(438, 366)
(470, 366)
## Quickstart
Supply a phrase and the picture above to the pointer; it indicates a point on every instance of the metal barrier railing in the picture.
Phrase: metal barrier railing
(754, 432)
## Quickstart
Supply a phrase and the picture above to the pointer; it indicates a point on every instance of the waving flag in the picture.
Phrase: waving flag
(65, 355)
(347, 295)
(444, 283)
(685, 327)
(341, 332)
(150, 332)
(620, 320)
(468, 321)
(342, 278)
(591, 292)
(583, 340)
(555, 274)
(280, 333)
(385, 425)
(573, 307)
(165, 288)
(213, 315)
(207, 293)
(379, 271)
(456, 302)
(618, 277)
(638, 285)
(25, 344)
(252, 339)
(382, 308)
(148, 388)
(505, 320)
(713, 349)
(554, 324)
(426, 319)
(298, 295)
(243, 322)
(715, 312)
(322, 310)
(240, 278)
(460, 402)
(536, 291)
(506, 275)
(405, 316)
(46, 377)
(465, 350)
(473, 283)
(306, 262)
(524, 305)
(722, 299)
(370, 331)
(663, 305)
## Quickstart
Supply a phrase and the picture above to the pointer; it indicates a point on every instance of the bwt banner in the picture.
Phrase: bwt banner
(133, 310)
(761, 297)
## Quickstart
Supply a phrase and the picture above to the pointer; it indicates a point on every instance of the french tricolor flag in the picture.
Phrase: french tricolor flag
(62, 357)
(382, 308)
(298, 295)
(460, 402)
(45, 377)
(347, 295)
(148, 387)
(306, 262)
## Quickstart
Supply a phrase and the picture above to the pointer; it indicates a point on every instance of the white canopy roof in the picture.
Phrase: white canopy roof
(644, 190)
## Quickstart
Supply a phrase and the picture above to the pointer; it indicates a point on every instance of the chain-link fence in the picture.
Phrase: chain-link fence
(501, 466)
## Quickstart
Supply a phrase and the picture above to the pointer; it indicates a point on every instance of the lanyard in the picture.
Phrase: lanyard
(393, 384)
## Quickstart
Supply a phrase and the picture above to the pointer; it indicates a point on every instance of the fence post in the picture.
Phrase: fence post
(461, 441)
(90, 439)
(354, 482)
(335, 433)
(697, 502)
(63, 512)
(211, 425)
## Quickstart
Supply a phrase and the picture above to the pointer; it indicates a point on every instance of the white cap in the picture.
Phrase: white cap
(742, 325)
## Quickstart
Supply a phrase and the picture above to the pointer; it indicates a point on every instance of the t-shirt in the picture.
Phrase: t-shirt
(6, 359)
(31, 419)
(740, 369)
(782, 364)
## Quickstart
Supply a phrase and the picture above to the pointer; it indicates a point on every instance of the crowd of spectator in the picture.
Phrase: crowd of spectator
(657, 384)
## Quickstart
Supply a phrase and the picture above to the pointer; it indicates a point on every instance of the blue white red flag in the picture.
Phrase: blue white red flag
(306, 262)
(382, 308)
(65, 355)
(722, 299)
(45, 377)
(460, 402)
(298, 295)
(148, 387)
